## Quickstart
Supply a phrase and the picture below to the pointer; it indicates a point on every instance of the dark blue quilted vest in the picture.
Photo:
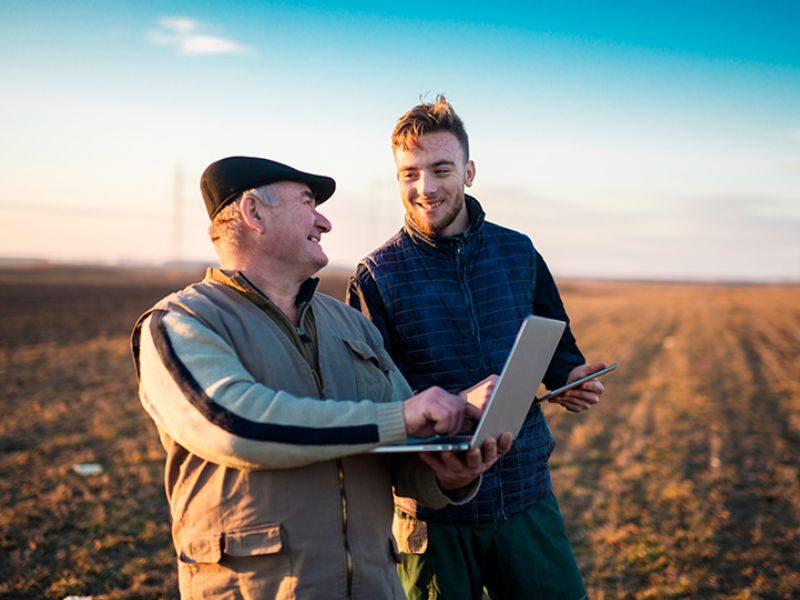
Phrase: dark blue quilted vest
(453, 307)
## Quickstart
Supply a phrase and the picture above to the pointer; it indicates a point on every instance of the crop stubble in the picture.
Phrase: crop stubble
(683, 482)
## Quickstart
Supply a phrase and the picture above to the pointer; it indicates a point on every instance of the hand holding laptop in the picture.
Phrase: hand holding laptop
(435, 411)
(455, 470)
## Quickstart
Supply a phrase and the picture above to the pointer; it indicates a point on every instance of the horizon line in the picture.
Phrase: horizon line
(11, 262)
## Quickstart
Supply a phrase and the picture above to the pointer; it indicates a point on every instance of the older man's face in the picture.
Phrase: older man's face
(294, 229)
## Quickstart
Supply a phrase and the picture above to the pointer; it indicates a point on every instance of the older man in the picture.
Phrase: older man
(267, 397)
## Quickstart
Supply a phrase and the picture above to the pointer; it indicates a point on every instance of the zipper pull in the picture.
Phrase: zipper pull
(302, 334)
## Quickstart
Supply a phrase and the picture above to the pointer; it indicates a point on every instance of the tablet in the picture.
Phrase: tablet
(576, 383)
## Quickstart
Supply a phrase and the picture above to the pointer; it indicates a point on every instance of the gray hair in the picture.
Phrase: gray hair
(263, 194)
(226, 226)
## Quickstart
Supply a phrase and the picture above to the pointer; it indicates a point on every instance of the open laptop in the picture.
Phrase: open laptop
(505, 410)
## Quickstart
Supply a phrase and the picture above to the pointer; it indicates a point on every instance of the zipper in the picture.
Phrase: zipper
(462, 277)
(347, 552)
(305, 347)
(302, 334)
(302, 342)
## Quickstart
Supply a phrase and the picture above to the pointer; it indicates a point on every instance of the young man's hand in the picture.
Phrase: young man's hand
(585, 395)
(456, 469)
(479, 393)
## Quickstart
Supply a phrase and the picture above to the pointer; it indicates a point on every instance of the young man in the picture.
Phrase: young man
(266, 396)
(448, 292)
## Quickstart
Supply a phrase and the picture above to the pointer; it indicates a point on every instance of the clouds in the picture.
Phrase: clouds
(187, 37)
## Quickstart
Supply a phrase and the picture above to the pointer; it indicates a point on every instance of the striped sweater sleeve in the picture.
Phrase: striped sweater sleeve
(199, 393)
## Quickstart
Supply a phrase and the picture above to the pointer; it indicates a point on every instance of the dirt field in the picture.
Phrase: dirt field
(682, 483)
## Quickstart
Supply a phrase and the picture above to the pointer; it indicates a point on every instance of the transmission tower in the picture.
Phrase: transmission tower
(177, 223)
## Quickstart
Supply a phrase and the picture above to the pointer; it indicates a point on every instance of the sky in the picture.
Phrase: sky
(656, 140)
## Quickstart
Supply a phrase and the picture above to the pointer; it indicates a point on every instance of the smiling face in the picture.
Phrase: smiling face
(294, 228)
(432, 177)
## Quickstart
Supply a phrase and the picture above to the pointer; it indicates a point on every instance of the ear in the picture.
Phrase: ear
(469, 174)
(252, 216)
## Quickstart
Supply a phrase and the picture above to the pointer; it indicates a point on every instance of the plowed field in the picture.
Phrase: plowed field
(682, 483)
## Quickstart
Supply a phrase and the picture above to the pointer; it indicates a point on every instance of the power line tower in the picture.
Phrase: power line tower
(177, 217)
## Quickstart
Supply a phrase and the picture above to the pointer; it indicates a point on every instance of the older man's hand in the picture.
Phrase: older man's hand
(436, 412)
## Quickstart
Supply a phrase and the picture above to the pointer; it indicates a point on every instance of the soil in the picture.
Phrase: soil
(682, 482)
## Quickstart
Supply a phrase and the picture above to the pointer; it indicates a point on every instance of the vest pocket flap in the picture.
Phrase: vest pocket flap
(254, 541)
(206, 549)
(365, 352)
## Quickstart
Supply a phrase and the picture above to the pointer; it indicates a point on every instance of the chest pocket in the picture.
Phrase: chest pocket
(371, 371)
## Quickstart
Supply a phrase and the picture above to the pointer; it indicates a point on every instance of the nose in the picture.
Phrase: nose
(322, 222)
(426, 184)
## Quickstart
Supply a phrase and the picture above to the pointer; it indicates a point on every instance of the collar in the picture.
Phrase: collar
(239, 282)
(473, 232)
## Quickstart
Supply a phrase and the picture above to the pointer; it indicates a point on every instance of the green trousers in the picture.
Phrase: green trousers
(525, 556)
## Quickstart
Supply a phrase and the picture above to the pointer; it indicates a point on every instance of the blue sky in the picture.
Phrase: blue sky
(657, 140)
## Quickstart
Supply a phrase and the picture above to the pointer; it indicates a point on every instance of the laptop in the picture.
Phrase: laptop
(511, 399)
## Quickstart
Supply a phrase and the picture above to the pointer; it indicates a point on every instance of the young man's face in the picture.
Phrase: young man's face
(432, 180)
(295, 228)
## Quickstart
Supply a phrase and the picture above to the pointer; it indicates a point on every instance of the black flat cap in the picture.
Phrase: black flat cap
(224, 179)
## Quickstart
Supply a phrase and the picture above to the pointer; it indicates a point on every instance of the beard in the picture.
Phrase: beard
(433, 228)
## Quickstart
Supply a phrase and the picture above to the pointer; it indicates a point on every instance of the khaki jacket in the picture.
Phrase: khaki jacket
(265, 428)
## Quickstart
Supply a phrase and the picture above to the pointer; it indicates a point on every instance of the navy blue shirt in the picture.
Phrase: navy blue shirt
(449, 309)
